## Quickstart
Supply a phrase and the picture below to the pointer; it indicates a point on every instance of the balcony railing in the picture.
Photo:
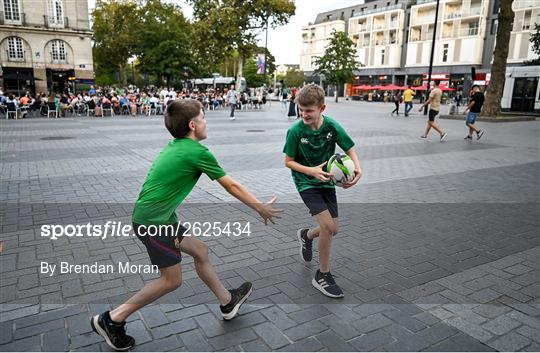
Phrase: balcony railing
(53, 22)
(20, 22)
(383, 9)
(523, 4)
(472, 12)
(468, 32)
(448, 34)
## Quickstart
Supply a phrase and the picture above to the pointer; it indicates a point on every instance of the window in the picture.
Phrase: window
(56, 13)
(382, 56)
(445, 53)
(526, 21)
(473, 28)
(352, 13)
(496, 5)
(58, 50)
(12, 10)
(494, 24)
(15, 48)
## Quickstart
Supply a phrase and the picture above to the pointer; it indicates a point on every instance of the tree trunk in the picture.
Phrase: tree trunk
(239, 73)
(336, 92)
(492, 107)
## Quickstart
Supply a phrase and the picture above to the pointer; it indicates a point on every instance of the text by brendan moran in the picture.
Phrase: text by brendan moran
(95, 268)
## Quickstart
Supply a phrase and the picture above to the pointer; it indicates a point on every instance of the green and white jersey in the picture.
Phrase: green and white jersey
(314, 147)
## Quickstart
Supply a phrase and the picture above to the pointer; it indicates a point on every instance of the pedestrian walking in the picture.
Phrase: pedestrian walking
(232, 99)
(408, 96)
(434, 102)
(474, 108)
(397, 102)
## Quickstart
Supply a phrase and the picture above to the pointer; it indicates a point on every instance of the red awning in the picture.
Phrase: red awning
(391, 88)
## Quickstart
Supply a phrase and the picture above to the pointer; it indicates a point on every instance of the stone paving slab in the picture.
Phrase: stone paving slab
(437, 250)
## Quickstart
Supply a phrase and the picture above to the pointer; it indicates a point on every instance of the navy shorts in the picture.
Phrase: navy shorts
(432, 114)
(319, 200)
(162, 243)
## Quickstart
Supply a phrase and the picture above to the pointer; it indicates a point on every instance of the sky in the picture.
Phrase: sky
(285, 42)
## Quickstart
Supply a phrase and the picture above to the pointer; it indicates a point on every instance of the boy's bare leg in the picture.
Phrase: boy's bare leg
(314, 232)
(199, 251)
(170, 279)
(326, 232)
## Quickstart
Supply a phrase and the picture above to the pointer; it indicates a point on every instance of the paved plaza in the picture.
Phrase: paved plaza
(438, 248)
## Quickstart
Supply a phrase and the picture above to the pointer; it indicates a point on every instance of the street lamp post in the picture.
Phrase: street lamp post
(432, 55)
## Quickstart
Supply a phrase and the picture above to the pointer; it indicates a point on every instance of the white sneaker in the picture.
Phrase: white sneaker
(232, 118)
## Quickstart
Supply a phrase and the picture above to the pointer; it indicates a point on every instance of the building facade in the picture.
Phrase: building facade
(393, 41)
(45, 45)
(315, 38)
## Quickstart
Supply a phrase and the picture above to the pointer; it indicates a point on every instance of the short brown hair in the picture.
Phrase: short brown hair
(178, 115)
(311, 94)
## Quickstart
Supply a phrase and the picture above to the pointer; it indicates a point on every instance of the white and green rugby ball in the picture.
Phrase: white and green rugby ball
(341, 167)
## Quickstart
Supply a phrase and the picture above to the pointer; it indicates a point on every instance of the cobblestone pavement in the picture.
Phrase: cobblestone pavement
(438, 247)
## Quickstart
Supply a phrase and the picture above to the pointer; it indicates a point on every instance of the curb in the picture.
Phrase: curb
(504, 119)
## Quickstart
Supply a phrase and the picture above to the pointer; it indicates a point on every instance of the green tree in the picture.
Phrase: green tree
(338, 62)
(233, 25)
(114, 25)
(492, 106)
(253, 79)
(294, 78)
(535, 40)
(164, 36)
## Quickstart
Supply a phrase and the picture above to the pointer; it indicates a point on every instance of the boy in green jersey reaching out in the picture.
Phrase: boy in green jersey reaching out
(171, 178)
(310, 142)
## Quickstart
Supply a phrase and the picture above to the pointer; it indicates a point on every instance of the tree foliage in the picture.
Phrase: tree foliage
(338, 62)
(294, 78)
(114, 24)
(164, 40)
(535, 39)
(226, 26)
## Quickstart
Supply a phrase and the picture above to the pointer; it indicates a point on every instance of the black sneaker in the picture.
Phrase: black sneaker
(479, 134)
(238, 297)
(113, 333)
(422, 137)
(306, 251)
(468, 138)
(326, 284)
(443, 136)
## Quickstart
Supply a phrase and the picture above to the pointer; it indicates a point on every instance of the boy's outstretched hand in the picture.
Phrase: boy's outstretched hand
(318, 173)
(268, 212)
(357, 176)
